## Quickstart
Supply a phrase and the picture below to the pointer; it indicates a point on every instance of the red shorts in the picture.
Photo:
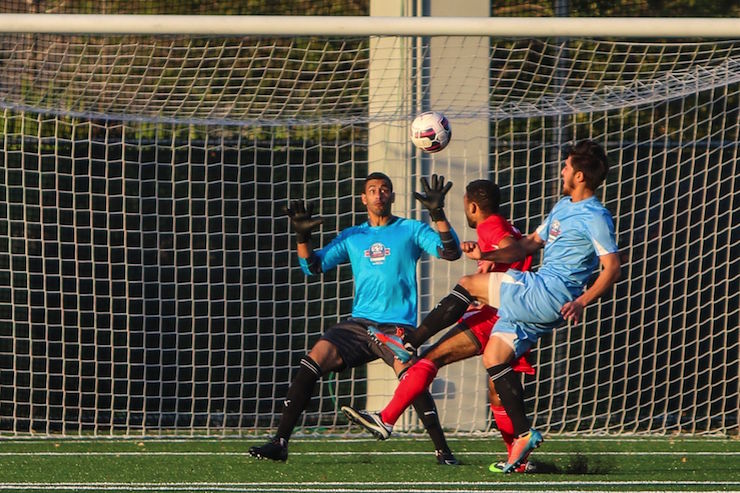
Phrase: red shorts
(480, 321)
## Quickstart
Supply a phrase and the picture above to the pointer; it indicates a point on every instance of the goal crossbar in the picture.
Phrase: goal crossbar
(239, 25)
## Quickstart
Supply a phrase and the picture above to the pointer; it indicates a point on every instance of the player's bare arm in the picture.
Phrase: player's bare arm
(610, 273)
(509, 251)
(485, 266)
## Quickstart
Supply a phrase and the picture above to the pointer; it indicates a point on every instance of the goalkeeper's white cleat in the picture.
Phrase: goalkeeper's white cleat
(370, 421)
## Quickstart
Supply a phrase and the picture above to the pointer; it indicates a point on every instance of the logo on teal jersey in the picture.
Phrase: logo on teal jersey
(377, 253)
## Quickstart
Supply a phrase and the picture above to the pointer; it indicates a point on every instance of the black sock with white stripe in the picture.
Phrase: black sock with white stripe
(509, 389)
(446, 313)
(299, 395)
(427, 412)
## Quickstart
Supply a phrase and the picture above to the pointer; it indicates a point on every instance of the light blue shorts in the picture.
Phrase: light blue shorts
(528, 307)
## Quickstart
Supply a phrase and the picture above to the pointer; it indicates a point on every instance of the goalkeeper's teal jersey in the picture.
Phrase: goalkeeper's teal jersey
(383, 260)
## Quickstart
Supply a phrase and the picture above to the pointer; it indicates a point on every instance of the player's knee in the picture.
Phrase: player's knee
(489, 360)
(309, 365)
(466, 282)
(476, 285)
(499, 350)
(326, 356)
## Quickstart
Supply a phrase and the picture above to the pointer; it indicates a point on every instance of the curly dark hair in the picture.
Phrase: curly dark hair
(485, 194)
(589, 158)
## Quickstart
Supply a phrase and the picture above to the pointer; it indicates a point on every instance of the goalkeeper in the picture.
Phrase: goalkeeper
(467, 338)
(383, 253)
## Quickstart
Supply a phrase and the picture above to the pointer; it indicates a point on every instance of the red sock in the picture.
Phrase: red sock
(504, 425)
(415, 381)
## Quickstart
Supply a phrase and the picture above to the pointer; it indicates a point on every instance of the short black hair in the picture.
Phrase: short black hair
(589, 158)
(485, 194)
(377, 175)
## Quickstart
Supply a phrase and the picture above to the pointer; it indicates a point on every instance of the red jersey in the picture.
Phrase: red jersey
(480, 319)
(494, 229)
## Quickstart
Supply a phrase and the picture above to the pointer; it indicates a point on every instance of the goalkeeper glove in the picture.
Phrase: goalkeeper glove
(300, 218)
(434, 196)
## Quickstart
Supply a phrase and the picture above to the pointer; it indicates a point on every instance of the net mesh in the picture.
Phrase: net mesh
(286, 81)
(148, 279)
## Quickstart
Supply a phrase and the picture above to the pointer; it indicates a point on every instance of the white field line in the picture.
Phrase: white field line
(495, 437)
(344, 453)
(374, 487)
(348, 484)
(294, 489)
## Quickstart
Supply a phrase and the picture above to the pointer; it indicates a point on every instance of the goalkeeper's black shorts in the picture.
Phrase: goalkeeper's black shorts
(356, 346)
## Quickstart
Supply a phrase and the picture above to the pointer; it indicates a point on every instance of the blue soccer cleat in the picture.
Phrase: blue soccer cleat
(521, 448)
(394, 342)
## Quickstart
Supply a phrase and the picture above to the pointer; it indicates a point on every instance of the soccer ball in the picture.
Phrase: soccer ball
(430, 131)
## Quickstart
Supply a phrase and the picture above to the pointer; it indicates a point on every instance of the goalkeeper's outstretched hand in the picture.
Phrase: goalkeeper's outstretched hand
(300, 218)
(434, 196)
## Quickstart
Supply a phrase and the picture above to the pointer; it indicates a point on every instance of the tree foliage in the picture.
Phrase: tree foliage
(534, 8)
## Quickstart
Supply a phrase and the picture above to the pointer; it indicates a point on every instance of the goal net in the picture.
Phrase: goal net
(148, 277)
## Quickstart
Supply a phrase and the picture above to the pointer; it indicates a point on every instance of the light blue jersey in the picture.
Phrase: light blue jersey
(383, 260)
(576, 234)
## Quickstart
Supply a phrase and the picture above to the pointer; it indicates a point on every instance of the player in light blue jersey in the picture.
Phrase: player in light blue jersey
(383, 253)
(577, 236)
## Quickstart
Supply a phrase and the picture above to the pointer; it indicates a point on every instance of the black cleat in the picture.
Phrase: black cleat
(372, 422)
(277, 449)
(446, 458)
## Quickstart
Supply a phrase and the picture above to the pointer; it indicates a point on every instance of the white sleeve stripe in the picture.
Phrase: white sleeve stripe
(600, 250)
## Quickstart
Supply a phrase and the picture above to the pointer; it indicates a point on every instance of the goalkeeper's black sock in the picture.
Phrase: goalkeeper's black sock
(299, 395)
(510, 391)
(447, 312)
(427, 411)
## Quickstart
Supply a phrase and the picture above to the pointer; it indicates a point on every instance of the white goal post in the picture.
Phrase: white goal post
(148, 278)
(272, 25)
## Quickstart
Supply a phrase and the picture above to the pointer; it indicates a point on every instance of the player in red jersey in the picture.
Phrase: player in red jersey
(467, 338)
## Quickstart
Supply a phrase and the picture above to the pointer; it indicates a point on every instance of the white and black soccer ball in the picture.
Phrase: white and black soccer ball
(430, 131)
